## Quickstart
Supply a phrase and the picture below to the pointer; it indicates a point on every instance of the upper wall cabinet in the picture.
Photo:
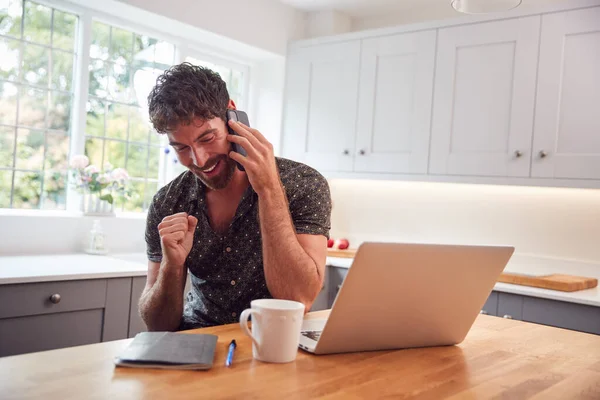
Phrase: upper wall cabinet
(321, 102)
(394, 104)
(567, 122)
(484, 98)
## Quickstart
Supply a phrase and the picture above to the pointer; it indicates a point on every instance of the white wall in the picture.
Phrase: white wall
(267, 24)
(553, 222)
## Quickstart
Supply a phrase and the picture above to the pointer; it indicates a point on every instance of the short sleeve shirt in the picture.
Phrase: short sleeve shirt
(226, 270)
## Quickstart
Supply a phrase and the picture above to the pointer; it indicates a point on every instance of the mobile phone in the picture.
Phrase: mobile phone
(240, 116)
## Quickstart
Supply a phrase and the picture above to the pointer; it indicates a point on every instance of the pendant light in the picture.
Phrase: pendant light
(484, 6)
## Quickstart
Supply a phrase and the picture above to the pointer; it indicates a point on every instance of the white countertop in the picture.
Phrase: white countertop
(51, 267)
(535, 265)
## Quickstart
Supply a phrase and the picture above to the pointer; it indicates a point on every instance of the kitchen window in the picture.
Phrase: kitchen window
(37, 54)
(75, 81)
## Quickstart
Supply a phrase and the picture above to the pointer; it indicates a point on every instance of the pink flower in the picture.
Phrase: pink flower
(119, 174)
(91, 169)
(79, 162)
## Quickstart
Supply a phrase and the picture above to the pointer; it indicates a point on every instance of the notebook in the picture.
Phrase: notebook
(169, 350)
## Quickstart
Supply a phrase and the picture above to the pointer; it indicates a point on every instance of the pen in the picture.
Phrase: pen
(229, 359)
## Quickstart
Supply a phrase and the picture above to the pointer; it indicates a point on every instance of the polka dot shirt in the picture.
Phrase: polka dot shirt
(226, 270)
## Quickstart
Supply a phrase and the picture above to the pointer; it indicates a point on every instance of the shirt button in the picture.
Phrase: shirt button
(233, 314)
(232, 283)
(228, 249)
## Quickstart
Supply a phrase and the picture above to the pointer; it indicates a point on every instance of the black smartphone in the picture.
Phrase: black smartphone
(240, 116)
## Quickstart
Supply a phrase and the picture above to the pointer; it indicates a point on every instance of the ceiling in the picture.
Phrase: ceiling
(365, 8)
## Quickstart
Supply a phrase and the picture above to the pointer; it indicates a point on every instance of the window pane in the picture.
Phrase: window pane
(151, 189)
(144, 79)
(100, 41)
(93, 150)
(57, 151)
(65, 26)
(236, 85)
(121, 45)
(36, 26)
(116, 121)
(137, 157)
(62, 70)
(10, 17)
(7, 146)
(137, 201)
(5, 188)
(143, 49)
(94, 124)
(115, 153)
(224, 72)
(138, 127)
(27, 190)
(55, 194)
(153, 162)
(30, 149)
(59, 113)
(98, 78)
(8, 103)
(35, 65)
(154, 137)
(9, 59)
(32, 107)
(164, 54)
(118, 82)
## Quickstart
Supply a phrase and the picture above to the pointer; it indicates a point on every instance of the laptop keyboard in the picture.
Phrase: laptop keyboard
(314, 335)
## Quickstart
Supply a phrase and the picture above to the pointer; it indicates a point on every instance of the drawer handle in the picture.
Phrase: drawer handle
(507, 316)
(483, 312)
(55, 298)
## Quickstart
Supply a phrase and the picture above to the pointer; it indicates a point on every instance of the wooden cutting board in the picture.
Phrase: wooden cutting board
(560, 282)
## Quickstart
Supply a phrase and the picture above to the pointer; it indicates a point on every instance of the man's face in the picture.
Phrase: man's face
(203, 148)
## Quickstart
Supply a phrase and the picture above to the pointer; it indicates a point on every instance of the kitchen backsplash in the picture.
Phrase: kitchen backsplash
(552, 222)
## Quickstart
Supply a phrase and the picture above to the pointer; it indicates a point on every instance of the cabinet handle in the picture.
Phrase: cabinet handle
(362, 152)
(542, 154)
(507, 316)
(55, 298)
(518, 153)
(346, 152)
(483, 312)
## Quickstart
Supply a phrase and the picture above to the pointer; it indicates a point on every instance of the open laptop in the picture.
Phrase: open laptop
(401, 295)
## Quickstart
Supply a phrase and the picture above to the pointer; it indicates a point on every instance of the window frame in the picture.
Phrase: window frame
(184, 47)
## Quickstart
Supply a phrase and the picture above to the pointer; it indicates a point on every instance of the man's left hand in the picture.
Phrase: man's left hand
(260, 162)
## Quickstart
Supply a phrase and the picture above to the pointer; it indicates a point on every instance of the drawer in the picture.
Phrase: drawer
(491, 305)
(561, 314)
(34, 298)
(510, 306)
(49, 331)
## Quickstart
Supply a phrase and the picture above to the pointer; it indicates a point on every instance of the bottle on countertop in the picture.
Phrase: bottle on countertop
(96, 240)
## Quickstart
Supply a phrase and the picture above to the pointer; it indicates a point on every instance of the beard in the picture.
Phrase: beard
(223, 177)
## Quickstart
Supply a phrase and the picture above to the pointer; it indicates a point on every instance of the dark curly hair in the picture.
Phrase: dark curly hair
(184, 92)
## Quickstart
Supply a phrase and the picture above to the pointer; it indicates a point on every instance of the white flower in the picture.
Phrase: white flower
(119, 174)
(79, 162)
(91, 169)
(104, 178)
(108, 166)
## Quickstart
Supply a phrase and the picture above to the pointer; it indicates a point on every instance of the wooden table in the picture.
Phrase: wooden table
(500, 358)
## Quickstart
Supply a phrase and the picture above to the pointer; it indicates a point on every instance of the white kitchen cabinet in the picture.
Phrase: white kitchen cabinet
(321, 103)
(394, 103)
(484, 98)
(567, 121)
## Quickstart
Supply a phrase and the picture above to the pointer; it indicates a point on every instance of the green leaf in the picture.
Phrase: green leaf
(107, 197)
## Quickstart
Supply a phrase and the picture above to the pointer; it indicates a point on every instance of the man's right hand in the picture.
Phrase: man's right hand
(177, 236)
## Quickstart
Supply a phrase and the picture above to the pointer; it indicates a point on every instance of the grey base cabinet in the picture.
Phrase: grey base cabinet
(51, 315)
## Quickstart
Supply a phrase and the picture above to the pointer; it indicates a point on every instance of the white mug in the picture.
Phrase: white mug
(276, 328)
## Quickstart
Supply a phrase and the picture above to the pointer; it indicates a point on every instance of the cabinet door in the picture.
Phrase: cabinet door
(484, 98)
(394, 113)
(320, 110)
(567, 121)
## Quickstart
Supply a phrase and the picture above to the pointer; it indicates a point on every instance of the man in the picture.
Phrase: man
(242, 235)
